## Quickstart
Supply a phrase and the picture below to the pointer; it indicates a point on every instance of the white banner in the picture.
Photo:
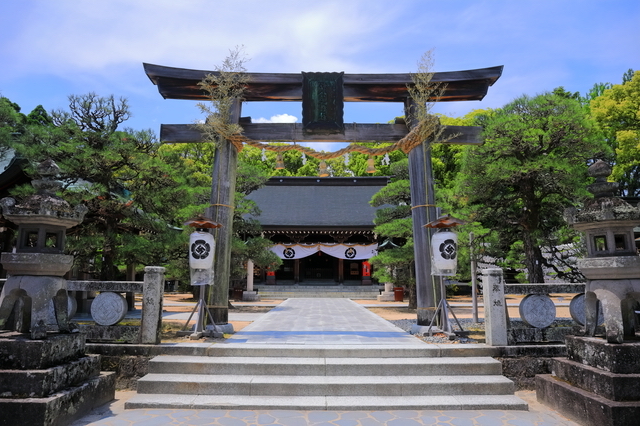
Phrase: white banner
(294, 251)
(341, 251)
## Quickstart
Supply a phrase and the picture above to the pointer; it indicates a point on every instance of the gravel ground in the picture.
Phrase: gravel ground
(467, 324)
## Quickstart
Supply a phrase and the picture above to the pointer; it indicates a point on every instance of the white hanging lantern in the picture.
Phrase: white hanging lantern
(444, 250)
(201, 249)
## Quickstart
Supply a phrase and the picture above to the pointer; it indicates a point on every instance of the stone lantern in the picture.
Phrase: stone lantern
(612, 266)
(38, 263)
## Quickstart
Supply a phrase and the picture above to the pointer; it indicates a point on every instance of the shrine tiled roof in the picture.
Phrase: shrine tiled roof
(317, 203)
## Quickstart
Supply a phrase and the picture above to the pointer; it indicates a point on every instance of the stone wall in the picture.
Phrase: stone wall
(522, 363)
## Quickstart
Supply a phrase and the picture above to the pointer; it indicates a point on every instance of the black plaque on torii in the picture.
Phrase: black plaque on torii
(322, 102)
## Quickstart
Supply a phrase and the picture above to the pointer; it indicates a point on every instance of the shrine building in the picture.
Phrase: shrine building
(322, 228)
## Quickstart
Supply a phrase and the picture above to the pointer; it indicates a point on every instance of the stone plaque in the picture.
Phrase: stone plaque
(576, 309)
(322, 102)
(108, 308)
(537, 310)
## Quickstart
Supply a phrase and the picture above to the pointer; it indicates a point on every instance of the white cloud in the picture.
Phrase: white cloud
(282, 35)
(278, 118)
(54, 48)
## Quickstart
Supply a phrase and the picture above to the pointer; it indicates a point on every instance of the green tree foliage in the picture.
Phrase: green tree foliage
(297, 164)
(247, 244)
(532, 165)
(132, 189)
(446, 159)
(628, 76)
(395, 261)
(11, 124)
(617, 111)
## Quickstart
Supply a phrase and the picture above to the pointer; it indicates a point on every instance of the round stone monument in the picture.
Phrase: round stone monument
(108, 308)
(537, 310)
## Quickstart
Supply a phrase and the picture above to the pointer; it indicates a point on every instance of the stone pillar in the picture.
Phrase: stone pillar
(249, 275)
(250, 295)
(423, 211)
(151, 322)
(495, 309)
(223, 188)
(131, 276)
(474, 280)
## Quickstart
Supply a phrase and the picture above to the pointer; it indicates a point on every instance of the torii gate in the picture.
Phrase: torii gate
(323, 122)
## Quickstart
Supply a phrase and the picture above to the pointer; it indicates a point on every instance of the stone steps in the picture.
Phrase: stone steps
(328, 294)
(288, 385)
(318, 291)
(351, 351)
(330, 403)
(348, 378)
(324, 366)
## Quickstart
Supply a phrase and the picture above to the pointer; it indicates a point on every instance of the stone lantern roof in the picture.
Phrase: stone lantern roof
(608, 223)
(604, 207)
(44, 207)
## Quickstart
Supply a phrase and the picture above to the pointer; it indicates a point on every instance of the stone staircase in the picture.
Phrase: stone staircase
(339, 377)
(316, 291)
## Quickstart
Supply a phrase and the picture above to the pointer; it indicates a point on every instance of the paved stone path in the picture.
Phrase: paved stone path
(322, 322)
(306, 322)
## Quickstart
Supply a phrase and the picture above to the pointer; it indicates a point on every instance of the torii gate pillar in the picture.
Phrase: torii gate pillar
(423, 211)
(221, 208)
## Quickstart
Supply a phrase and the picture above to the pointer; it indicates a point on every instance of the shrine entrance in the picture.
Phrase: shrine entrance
(319, 267)
(322, 96)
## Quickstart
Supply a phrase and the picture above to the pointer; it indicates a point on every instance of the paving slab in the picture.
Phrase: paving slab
(322, 322)
(201, 409)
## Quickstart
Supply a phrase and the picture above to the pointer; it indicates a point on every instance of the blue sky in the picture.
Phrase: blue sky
(50, 49)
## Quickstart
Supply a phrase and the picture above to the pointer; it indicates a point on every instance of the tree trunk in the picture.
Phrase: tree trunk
(107, 272)
(533, 259)
(413, 300)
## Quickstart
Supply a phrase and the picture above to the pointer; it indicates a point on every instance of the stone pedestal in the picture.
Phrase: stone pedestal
(598, 384)
(51, 381)
(250, 296)
(386, 296)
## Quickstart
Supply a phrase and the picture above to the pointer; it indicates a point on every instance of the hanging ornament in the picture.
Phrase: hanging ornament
(371, 168)
(386, 160)
(264, 154)
(323, 172)
(304, 159)
(346, 159)
(279, 162)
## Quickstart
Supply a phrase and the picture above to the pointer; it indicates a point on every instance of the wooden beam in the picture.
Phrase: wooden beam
(287, 132)
(182, 83)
